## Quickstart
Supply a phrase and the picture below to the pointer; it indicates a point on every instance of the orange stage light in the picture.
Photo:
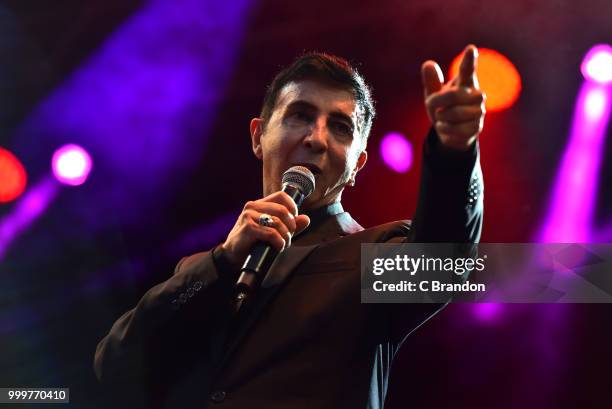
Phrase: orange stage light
(497, 76)
(13, 177)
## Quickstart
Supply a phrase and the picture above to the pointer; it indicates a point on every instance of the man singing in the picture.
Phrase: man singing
(303, 340)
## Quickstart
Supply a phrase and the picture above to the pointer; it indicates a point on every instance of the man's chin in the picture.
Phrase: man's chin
(310, 203)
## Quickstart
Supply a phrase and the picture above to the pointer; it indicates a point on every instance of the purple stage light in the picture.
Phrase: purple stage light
(71, 165)
(396, 151)
(573, 202)
(487, 312)
(143, 104)
(27, 210)
(595, 104)
(597, 64)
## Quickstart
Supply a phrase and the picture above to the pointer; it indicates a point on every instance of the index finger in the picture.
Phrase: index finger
(467, 69)
(284, 199)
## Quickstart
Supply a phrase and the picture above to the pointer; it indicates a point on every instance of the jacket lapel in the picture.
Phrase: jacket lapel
(285, 263)
(339, 225)
(280, 269)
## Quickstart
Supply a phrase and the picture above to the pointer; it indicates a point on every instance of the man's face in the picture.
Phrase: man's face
(317, 126)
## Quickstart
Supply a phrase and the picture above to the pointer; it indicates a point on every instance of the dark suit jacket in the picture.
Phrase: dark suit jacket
(305, 340)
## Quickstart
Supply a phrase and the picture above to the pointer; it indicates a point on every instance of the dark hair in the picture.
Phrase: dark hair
(330, 69)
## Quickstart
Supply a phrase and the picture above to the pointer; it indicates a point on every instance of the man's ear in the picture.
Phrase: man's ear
(361, 161)
(256, 132)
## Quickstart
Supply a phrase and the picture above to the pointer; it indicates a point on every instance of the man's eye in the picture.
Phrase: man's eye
(300, 116)
(342, 128)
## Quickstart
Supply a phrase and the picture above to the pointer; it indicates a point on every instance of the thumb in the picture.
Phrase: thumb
(301, 222)
(432, 77)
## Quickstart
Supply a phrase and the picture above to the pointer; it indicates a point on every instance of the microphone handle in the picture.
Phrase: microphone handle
(262, 255)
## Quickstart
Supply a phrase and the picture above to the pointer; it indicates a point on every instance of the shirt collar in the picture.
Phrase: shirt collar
(319, 214)
(327, 223)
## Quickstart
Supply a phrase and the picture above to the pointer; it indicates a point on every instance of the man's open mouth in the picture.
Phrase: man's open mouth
(313, 168)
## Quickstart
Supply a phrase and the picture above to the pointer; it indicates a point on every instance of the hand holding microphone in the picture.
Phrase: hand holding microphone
(285, 223)
(265, 227)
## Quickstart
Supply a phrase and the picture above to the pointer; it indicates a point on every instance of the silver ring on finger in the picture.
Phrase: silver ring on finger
(265, 220)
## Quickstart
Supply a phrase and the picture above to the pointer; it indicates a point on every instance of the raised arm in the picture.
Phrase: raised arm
(451, 192)
(450, 204)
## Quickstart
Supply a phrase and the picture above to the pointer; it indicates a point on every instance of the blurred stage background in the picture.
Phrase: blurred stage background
(160, 93)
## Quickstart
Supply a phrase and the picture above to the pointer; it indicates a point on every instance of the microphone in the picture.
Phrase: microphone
(298, 182)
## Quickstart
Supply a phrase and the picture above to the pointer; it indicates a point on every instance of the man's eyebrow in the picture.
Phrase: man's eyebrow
(311, 107)
(302, 104)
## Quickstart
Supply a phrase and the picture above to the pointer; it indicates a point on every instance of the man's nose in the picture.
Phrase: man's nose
(317, 136)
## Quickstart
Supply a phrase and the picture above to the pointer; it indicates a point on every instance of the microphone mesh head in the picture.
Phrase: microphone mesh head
(300, 177)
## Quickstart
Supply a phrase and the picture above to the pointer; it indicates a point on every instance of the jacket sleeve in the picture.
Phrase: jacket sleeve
(168, 318)
(449, 210)
(450, 204)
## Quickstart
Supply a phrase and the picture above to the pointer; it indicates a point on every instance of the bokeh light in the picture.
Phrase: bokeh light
(487, 312)
(396, 151)
(597, 64)
(497, 77)
(71, 165)
(13, 177)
